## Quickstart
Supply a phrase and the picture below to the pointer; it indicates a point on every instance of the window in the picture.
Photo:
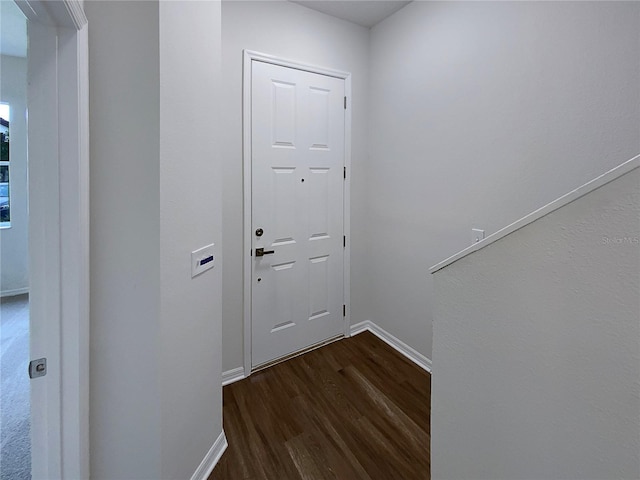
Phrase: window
(5, 197)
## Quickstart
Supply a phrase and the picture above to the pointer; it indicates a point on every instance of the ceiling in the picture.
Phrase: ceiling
(363, 12)
(13, 30)
(13, 27)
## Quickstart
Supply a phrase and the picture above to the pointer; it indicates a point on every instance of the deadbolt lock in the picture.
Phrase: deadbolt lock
(259, 232)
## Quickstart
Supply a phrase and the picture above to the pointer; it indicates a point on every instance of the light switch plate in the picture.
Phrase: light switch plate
(476, 235)
(202, 260)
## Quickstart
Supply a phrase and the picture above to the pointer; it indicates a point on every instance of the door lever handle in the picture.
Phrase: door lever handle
(261, 252)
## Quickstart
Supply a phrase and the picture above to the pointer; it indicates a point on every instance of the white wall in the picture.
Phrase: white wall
(14, 241)
(125, 417)
(536, 356)
(155, 196)
(480, 113)
(190, 218)
(291, 31)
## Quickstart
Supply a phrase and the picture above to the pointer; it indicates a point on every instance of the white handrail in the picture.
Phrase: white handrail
(573, 195)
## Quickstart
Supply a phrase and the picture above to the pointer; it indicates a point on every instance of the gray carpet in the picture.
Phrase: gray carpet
(15, 425)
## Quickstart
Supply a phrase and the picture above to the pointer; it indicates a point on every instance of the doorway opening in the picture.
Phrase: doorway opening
(15, 402)
(56, 80)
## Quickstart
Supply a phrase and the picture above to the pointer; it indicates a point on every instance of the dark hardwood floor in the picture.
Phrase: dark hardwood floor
(354, 409)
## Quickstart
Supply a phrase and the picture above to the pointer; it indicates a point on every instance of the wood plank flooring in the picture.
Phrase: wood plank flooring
(354, 409)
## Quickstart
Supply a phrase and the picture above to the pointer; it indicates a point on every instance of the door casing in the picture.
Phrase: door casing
(59, 208)
(249, 57)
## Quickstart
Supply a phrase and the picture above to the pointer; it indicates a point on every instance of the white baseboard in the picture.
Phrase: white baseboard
(232, 375)
(235, 374)
(12, 293)
(412, 354)
(211, 458)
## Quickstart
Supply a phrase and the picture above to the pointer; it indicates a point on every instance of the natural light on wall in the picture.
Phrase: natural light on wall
(5, 210)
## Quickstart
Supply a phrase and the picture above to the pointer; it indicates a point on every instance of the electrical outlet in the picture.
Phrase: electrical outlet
(476, 235)
(202, 260)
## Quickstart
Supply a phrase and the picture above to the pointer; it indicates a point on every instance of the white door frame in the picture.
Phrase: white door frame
(63, 247)
(249, 57)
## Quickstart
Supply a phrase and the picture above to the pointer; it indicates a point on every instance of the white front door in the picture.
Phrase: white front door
(297, 145)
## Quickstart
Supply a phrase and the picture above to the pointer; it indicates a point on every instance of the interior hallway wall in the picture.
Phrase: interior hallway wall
(190, 218)
(124, 414)
(294, 32)
(14, 241)
(156, 397)
(536, 348)
(481, 112)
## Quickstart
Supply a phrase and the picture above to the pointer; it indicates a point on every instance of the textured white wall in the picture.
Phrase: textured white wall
(291, 31)
(14, 241)
(155, 332)
(190, 218)
(536, 352)
(125, 421)
(125, 239)
(480, 113)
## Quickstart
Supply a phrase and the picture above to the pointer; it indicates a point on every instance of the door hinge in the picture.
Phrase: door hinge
(345, 103)
(344, 172)
(38, 368)
(344, 310)
(344, 240)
